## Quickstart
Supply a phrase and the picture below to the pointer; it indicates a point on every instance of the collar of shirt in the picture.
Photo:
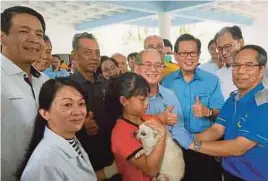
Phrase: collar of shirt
(160, 93)
(12, 69)
(249, 95)
(78, 76)
(197, 75)
(60, 142)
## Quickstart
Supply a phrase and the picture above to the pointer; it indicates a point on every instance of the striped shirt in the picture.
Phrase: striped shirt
(75, 144)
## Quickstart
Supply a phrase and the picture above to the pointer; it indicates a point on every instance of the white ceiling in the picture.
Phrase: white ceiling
(249, 8)
(67, 12)
(75, 12)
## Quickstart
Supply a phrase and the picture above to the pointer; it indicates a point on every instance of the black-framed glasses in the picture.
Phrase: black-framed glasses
(185, 54)
(148, 66)
(246, 66)
(227, 47)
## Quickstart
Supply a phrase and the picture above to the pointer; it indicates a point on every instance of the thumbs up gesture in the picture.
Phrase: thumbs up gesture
(167, 117)
(90, 125)
(199, 109)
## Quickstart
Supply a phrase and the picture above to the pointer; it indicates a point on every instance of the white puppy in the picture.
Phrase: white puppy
(173, 163)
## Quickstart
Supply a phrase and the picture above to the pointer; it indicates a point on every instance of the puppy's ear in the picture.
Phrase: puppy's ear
(156, 134)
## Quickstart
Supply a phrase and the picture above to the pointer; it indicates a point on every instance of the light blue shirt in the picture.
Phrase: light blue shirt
(55, 159)
(164, 99)
(206, 86)
(60, 73)
(209, 66)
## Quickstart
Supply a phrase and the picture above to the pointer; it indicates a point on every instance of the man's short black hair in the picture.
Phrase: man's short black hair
(262, 54)
(167, 43)
(210, 43)
(6, 17)
(131, 55)
(187, 37)
(47, 39)
(57, 56)
(235, 31)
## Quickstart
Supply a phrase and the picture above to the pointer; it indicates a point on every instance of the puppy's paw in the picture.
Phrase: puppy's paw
(162, 177)
(140, 153)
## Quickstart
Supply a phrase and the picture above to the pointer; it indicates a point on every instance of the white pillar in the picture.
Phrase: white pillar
(164, 25)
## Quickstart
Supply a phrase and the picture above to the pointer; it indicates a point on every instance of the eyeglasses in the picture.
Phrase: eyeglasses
(158, 67)
(111, 69)
(247, 66)
(227, 47)
(185, 54)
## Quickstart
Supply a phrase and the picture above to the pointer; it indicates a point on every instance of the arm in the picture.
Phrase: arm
(41, 173)
(151, 164)
(215, 132)
(235, 147)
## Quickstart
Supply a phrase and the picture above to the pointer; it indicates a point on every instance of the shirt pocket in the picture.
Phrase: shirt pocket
(204, 98)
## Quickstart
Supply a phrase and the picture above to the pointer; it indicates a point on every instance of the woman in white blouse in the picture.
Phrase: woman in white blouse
(54, 152)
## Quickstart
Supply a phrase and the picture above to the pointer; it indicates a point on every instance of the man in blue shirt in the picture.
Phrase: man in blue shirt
(199, 91)
(162, 101)
(242, 121)
(54, 70)
(214, 63)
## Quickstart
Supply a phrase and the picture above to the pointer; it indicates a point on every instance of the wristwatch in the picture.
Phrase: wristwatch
(210, 112)
(197, 145)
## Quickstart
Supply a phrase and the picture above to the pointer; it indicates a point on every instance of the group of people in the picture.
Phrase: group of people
(82, 126)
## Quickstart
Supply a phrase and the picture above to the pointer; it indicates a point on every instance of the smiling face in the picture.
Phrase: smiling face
(87, 55)
(67, 112)
(46, 57)
(187, 56)
(228, 47)
(109, 69)
(151, 66)
(24, 42)
(247, 78)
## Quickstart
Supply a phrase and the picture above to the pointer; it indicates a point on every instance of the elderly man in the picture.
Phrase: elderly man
(22, 38)
(122, 62)
(242, 121)
(199, 91)
(96, 134)
(157, 43)
(161, 100)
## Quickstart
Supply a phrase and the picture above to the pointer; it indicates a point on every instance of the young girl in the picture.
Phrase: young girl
(127, 100)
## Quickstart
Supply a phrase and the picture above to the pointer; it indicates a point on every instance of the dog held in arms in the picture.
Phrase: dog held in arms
(173, 163)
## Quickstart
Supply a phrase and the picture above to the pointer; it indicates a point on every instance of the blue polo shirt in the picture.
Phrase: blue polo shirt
(245, 117)
(206, 86)
(162, 100)
(60, 73)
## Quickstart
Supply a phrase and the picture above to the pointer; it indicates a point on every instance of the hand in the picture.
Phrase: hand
(167, 117)
(110, 170)
(90, 125)
(199, 109)
(182, 136)
(157, 126)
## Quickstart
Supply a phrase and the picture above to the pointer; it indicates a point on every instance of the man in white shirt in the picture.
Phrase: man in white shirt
(229, 41)
(214, 64)
(22, 31)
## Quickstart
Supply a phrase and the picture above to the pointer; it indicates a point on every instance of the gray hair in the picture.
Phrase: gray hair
(138, 59)
(78, 36)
